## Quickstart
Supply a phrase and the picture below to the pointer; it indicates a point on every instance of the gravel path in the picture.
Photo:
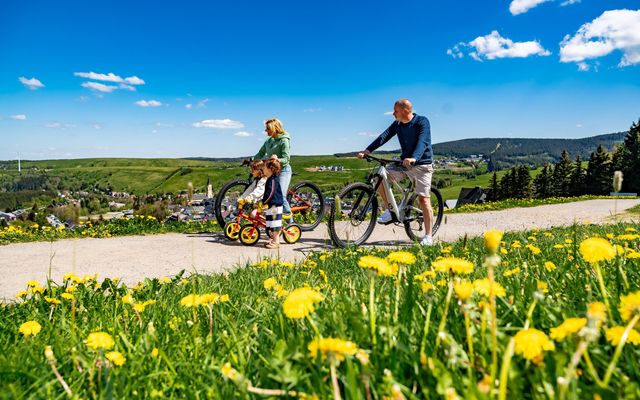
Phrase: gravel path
(133, 258)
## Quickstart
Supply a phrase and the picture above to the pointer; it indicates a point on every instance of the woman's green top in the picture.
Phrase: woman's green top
(280, 146)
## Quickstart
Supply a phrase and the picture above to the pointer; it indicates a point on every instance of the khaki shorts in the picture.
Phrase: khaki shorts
(419, 174)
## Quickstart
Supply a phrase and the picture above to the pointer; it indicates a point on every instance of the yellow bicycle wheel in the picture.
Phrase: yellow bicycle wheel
(291, 233)
(249, 235)
(232, 230)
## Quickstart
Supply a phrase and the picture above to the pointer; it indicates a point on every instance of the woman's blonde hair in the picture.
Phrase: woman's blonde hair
(274, 127)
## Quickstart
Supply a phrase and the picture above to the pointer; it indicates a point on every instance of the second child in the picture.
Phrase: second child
(255, 191)
(274, 199)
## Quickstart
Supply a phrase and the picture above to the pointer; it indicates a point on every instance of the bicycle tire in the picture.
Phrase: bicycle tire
(415, 223)
(226, 192)
(358, 195)
(307, 219)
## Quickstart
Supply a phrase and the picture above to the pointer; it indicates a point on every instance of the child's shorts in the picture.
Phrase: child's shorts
(274, 218)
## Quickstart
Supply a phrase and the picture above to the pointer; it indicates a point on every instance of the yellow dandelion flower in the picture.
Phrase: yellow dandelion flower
(464, 289)
(549, 266)
(531, 343)
(426, 287)
(453, 264)
(610, 235)
(401, 257)
(492, 240)
(629, 230)
(558, 246)
(628, 237)
(512, 272)
(484, 286)
(597, 249)
(154, 352)
(67, 296)
(568, 241)
(442, 282)
(99, 340)
(139, 307)
(22, 293)
(116, 358)
(374, 263)
(300, 302)
(33, 283)
(387, 269)
(543, 287)
(533, 249)
(614, 335)
(629, 305)
(327, 347)
(632, 254)
(128, 299)
(516, 244)
(191, 300)
(269, 283)
(597, 311)
(224, 298)
(30, 328)
(229, 372)
(568, 327)
(52, 300)
(504, 251)
(165, 280)
(208, 298)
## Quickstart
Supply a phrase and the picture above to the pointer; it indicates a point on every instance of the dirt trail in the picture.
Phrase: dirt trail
(133, 258)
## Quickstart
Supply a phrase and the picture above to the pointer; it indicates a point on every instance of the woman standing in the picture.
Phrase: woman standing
(278, 146)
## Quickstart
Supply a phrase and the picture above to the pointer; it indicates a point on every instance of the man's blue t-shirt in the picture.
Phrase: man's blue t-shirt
(414, 137)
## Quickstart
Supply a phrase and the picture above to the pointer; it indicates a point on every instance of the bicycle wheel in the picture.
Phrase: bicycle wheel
(249, 235)
(353, 216)
(307, 205)
(227, 200)
(291, 233)
(232, 230)
(414, 222)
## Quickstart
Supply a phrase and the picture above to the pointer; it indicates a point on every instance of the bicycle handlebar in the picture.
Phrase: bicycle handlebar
(383, 161)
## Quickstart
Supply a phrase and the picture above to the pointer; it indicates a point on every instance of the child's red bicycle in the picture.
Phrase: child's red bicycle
(247, 228)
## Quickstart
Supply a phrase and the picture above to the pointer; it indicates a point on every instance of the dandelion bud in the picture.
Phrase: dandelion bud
(48, 353)
(617, 181)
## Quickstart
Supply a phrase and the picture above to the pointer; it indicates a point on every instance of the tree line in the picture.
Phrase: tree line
(569, 177)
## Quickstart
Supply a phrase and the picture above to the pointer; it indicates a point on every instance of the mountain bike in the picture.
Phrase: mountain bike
(354, 212)
(305, 198)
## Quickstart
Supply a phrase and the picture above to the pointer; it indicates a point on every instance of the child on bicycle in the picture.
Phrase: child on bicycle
(274, 199)
(255, 191)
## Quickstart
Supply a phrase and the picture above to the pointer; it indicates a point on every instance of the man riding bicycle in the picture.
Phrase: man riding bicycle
(414, 135)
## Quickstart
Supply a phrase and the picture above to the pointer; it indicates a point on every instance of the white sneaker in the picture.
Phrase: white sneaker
(385, 217)
(426, 241)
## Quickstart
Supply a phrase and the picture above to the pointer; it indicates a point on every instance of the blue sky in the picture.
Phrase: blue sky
(169, 79)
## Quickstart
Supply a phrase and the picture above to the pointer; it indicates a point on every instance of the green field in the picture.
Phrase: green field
(150, 176)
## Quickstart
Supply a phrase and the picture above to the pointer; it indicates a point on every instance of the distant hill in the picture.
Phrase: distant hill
(513, 150)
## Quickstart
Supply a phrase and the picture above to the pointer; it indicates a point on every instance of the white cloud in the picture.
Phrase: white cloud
(613, 30)
(97, 126)
(163, 125)
(134, 80)
(312, 110)
(203, 103)
(110, 77)
(367, 134)
(388, 113)
(19, 117)
(99, 87)
(126, 87)
(188, 106)
(569, 2)
(53, 125)
(243, 134)
(578, 125)
(522, 6)
(219, 124)
(583, 66)
(32, 83)
(493, 46)
(150, 103)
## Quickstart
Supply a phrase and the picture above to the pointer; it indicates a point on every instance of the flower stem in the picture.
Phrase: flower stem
(603, 290)
(467, 326)
(372, 308)
(425, 331)
(397, 305)
(494, 327)
(334, 382)
(443, 320)
(618, 353)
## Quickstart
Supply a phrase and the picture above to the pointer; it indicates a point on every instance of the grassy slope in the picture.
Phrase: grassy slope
(172, 175)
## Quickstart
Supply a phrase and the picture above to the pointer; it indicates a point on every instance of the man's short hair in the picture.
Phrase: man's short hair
(405, 103)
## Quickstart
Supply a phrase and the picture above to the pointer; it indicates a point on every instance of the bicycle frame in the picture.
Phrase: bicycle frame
(381, 177)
